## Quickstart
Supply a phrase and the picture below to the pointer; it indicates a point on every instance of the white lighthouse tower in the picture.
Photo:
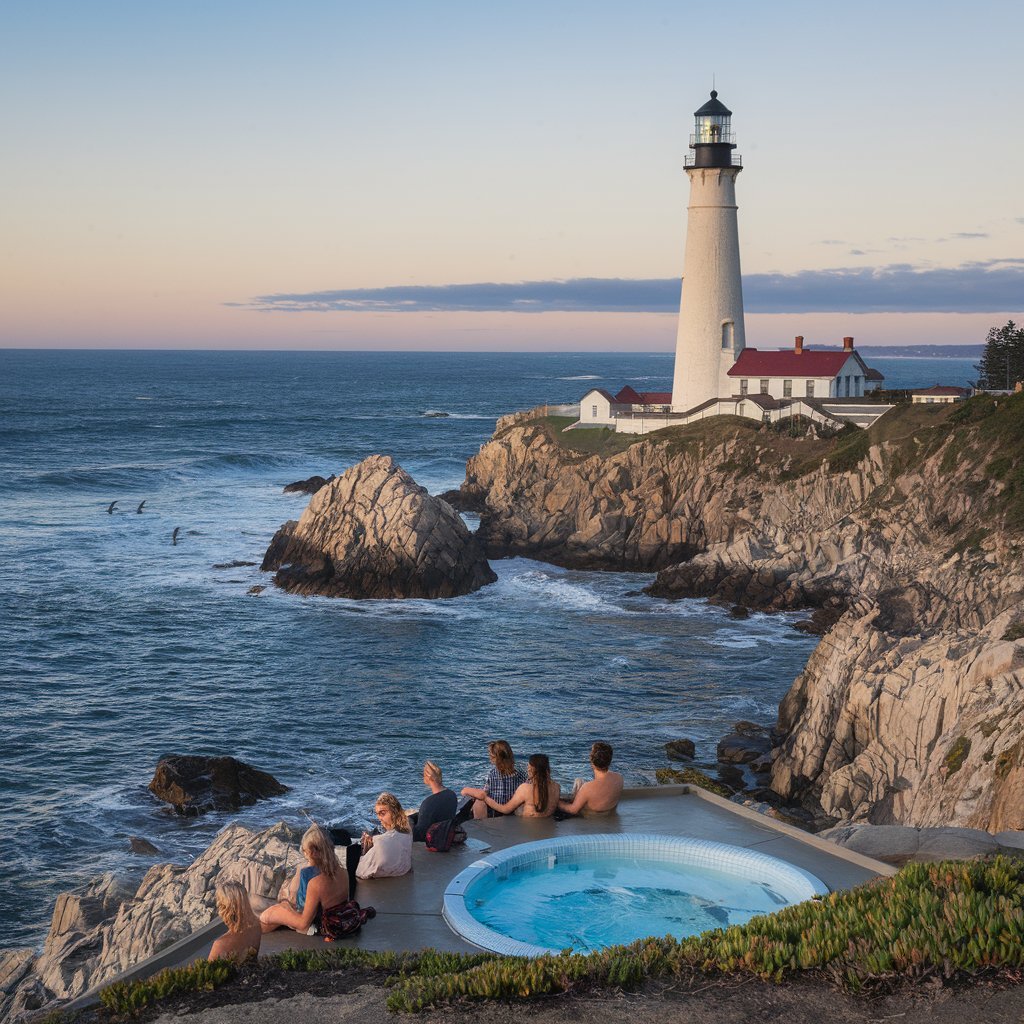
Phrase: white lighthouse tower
(710, 335)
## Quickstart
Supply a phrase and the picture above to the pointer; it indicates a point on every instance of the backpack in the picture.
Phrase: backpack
(442, 834)
(343, 920)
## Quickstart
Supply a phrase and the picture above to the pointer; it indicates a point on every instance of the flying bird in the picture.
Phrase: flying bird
(110, 508)
(138, 511)
(174, 536)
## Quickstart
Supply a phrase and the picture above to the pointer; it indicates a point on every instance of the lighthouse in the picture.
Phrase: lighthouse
(710, 336)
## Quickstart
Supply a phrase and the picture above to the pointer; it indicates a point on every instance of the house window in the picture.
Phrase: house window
(593, 412)
(847, 379)
(764, 386)
(787, 389)
(744, 387)
(741, 409)
(858, 388)
(727, 334)
(810, 389)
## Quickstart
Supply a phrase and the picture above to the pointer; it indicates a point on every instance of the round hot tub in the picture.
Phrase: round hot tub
(589, 892)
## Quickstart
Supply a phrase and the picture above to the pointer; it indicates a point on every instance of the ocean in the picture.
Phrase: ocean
(118, 646)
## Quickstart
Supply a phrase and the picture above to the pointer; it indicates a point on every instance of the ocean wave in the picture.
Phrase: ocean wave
(441, 414)
(241, 460)
(582, 376)
(564, 593)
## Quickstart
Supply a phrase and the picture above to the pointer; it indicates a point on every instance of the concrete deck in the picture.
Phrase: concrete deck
(409, 908)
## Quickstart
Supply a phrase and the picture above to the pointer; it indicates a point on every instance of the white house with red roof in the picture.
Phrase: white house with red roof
(800, 373)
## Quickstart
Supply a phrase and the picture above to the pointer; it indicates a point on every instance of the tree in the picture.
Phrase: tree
(1002, 363)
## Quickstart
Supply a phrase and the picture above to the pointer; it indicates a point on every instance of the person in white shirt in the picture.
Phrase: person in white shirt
(389, 853)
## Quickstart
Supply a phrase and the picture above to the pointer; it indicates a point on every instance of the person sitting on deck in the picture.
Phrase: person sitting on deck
(389, 853)
(538, 796)
(441, 805)
(503, 779)
(321, 885)
(601, 794)
(242, 938)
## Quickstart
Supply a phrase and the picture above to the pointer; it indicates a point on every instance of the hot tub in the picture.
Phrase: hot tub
(589, 892)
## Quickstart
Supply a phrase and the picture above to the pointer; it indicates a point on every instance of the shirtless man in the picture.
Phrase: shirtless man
(601, 794)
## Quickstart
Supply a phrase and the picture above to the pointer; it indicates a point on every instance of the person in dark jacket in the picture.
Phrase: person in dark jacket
(439, 806)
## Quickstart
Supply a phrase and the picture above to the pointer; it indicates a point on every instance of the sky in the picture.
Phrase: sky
(456, 175)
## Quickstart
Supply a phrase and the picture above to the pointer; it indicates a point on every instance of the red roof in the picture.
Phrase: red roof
(941, 389)
(627, 396)
(808, 363)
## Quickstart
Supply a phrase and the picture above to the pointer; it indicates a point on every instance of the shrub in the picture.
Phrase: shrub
(129, 997)
(946, 919)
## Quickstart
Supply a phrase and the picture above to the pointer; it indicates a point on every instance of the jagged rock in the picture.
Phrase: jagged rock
(255, 591)
(680, 750)
(236, 564)
(194, 784)
(141, 846)
(741, 748)
(745, 728)
(899, 844)
(310, 486)
(738, 611)
(103, 928)
(373, 532)
(908, 556)
(463, 501)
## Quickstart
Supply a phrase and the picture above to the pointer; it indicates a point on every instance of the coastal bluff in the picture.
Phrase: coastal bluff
(904, 542)
(373, 532)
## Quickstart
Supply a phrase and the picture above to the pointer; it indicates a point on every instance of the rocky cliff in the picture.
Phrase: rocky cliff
(104, 928)
(373, 532)
(906, 539)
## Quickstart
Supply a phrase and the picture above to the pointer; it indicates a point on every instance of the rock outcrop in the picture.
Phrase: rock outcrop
(194, 785)
(308, 486)
(906, 541)
(900, 844)
(373, 532)
(104, 928)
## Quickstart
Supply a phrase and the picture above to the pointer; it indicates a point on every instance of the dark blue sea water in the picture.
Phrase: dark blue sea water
(116, 646)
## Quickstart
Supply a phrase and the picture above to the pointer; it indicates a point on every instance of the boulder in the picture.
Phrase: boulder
(373, 532)
(310, 486)
(741, 748)
(680, 750)
(194, 785)
(143, 847)
(899, 844)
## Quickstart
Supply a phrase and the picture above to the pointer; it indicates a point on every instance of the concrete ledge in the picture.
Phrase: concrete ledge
(808, 838)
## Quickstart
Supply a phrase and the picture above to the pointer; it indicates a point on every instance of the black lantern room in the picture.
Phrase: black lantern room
(712, 140)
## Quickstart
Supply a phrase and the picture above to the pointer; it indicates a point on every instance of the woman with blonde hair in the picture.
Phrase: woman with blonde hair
(320, 885)
(503, 779)
(388, 853)
(242, 938)
(538, 796)
(441, 805)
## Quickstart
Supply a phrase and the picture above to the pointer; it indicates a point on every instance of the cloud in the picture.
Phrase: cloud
(972, 234)
(990, 286)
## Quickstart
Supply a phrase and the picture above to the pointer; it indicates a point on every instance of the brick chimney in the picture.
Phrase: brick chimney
(847, 344)
(798, 348)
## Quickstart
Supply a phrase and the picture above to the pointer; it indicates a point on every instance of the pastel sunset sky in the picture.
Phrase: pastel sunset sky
(496, 176)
